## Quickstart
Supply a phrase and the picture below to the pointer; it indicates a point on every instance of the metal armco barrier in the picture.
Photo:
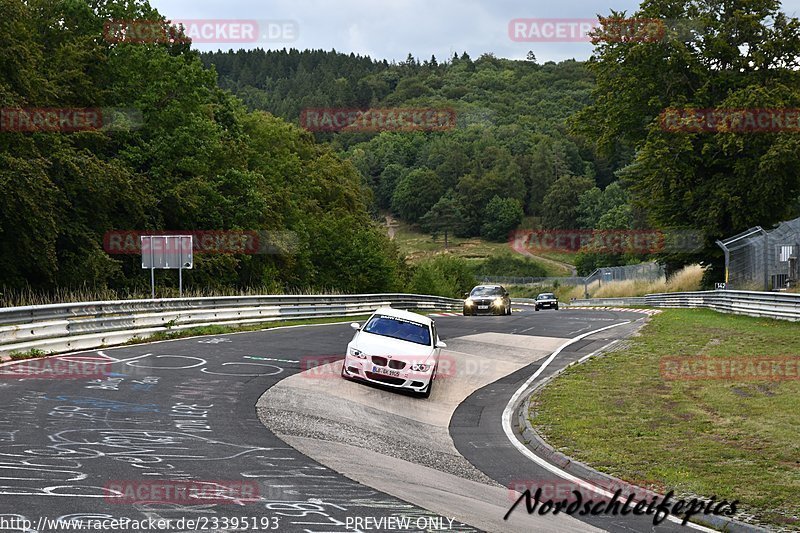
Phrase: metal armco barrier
(83, 326)
(783, 306)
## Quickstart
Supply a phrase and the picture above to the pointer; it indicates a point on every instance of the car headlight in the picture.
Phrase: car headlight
(469, 302)
(357, 353)
(420, 368)
(497, 302)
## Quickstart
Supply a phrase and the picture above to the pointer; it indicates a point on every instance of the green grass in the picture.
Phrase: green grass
(416, 246)
(30, 354)
(28, 296)
(735, 440)
(555, 255)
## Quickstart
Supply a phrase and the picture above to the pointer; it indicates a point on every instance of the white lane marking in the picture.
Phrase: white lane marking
(215, 340)
(509, 411)
(259, 358)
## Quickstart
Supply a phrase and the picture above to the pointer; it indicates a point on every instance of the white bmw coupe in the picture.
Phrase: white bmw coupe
(395, 348)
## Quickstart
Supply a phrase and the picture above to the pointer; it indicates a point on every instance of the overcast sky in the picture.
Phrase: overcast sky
(390, 29)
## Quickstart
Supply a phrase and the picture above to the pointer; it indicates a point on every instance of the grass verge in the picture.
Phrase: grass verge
(737, 440)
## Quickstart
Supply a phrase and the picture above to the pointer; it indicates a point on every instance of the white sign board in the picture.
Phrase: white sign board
(167, 252)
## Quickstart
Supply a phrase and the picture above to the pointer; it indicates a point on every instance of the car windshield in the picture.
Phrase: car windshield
(398, 328)
(546, 296)
(487, 291)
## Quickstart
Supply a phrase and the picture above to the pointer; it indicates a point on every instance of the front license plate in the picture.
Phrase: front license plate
(483, 307)
(385, 371)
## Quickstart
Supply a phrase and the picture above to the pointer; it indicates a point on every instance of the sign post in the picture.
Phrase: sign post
(167, 252)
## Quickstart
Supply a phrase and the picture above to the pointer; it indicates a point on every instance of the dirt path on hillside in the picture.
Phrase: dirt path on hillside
(520, 249)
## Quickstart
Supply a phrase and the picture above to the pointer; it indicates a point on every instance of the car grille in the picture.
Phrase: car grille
(385, 379)
(391, 363)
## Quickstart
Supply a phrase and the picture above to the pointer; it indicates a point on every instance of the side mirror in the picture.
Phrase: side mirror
(355, 326)
(440, 344)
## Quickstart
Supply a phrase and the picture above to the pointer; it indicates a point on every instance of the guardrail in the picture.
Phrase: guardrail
(783, 306)
(88, 325)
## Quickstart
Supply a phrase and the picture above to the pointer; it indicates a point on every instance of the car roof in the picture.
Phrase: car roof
(487, 287)
(407, 315)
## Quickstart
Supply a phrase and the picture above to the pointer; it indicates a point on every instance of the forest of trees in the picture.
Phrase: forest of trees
(567, 145)
(509, 147)
(551, 145)
(198, 161)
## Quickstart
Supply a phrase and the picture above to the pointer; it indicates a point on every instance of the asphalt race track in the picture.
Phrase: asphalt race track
(158, 421)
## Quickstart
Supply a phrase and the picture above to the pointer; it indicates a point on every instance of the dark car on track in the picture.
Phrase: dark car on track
(546, 300)
(487, 299)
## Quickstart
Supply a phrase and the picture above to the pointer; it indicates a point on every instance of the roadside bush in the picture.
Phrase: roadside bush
(443, 275)
(509, 265)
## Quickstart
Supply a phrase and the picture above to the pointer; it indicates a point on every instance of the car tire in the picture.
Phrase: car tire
(508, 310)
(556, 308)
(536, 308)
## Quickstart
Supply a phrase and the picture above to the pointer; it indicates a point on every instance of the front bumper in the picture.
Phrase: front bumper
(547, 305)
(367, 370)
(484, 308)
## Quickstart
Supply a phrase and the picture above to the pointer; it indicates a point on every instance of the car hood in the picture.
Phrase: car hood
(372, 344)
